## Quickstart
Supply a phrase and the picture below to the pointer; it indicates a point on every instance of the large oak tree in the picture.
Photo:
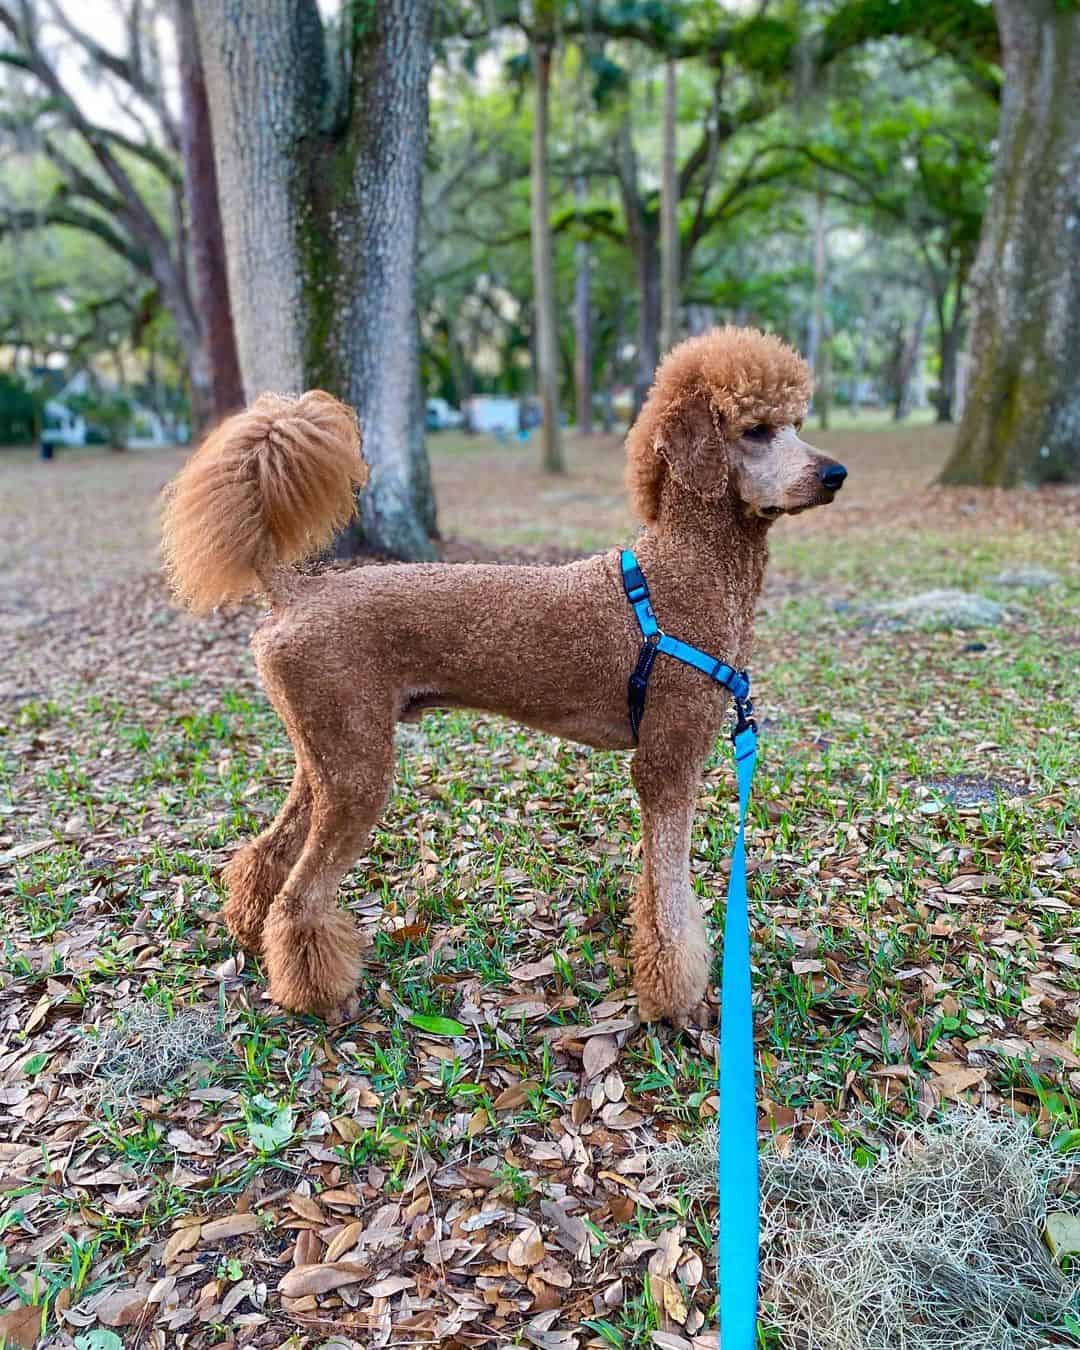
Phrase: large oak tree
(319, 138)
(1021, 420)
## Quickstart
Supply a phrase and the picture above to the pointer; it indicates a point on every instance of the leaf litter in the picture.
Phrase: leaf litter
(472, 1160)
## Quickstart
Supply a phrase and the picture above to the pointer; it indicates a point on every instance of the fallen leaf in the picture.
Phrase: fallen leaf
(344, 1241)
(570, 1232)
(187, 1143)
(233, 1225)
(307, 1280)
(121, 1308)
(1063, 1234)
(527, 1248)
(393, 1284)
(183, 1240)
(600, 1054)
(952, 1079)
(22, 1326)
(517, 1094)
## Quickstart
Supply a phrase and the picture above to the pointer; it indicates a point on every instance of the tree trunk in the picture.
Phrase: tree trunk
(647, 256)
(583, 344)
(614, 364)
(547, 367)
(321, 228)
(948, 356)
(219, 365)
(376, 329)
(820, 344)
(909, 350)
(643, 235)
(669, 215)
(1021, 419)
(265, 79)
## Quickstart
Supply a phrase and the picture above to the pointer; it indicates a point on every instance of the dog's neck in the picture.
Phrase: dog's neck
(705, 561)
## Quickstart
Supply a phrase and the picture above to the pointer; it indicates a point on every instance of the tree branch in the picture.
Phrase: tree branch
(127, 69)
(64, 214)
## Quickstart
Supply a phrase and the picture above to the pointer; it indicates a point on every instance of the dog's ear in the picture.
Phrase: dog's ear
(691, 440)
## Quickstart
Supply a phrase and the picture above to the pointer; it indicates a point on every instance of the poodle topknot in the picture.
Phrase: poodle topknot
(746, 377)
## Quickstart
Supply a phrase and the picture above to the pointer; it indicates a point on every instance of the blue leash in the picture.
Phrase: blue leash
(738, 1162)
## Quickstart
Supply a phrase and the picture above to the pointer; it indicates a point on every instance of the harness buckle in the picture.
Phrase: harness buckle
(744, 717)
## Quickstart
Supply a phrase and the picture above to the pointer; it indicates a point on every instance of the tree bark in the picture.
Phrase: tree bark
(909, 349)
(218, 363)
(647, 257)
(547, 357)
(583, 337)
(1021, 419)
(265, 80)
(820, 344)
(642, 229)
(669, 215)
(949, 330)
(321, 213)
(376, 329)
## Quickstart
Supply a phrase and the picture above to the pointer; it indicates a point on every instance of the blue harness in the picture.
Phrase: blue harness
(738, 1164)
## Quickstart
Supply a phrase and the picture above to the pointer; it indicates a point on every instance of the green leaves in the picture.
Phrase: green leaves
(269, 1126)
(438, 1026)
(99, 1339)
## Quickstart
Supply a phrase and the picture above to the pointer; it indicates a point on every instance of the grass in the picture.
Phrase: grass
(910, 953)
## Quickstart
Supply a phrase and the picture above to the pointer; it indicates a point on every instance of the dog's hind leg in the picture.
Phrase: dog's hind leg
(311, 947)
(257, 871)
(669, 945)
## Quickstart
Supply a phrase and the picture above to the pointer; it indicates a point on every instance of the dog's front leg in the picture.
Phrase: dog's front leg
(669, 946)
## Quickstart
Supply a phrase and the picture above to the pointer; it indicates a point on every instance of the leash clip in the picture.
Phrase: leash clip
(744, 717)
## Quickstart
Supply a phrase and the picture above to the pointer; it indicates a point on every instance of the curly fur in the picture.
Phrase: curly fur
(270, 486)
(744, 377)
(312, 960)
(345, 655)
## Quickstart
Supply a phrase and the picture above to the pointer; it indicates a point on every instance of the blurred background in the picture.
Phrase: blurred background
(489, 219)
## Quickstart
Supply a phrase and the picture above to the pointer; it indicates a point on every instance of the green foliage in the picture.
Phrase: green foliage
(18, 411)
(108, 411)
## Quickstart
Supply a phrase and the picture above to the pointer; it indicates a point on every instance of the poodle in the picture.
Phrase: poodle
(713, 459)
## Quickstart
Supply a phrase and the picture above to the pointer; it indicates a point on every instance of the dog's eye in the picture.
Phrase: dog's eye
(760, 433)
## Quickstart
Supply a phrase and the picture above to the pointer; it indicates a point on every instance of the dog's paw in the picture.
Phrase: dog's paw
(347, 1011)
(313, 960)
(249, 894)
(671, 982)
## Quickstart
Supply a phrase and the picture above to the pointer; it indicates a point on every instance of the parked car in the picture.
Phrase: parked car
(441, 416)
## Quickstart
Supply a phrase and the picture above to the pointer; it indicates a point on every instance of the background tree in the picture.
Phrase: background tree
(542, 44)
(207, 244)
(125, 186)
(319, 138)
(1021, 421)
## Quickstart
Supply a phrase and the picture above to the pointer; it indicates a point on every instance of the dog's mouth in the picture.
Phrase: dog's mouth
(820, 499)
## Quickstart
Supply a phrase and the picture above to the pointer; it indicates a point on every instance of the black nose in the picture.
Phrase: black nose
(832, 476)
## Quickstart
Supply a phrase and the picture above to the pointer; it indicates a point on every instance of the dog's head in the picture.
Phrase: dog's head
(723, 420)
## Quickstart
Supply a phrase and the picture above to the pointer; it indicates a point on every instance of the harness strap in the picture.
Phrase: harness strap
(737, 1251)
(737, 682)
(639, 684)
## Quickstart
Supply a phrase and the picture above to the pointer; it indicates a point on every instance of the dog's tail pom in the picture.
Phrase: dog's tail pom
(267, 487)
